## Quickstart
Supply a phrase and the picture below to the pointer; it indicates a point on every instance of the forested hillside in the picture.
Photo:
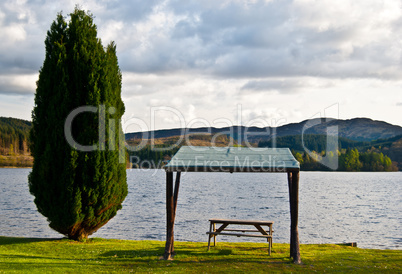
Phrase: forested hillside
(14, 136)
(14, 142)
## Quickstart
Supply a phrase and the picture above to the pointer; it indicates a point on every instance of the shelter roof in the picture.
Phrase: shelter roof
(232, 159)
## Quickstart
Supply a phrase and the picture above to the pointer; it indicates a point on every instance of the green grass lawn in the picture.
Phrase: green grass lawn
(101, 255)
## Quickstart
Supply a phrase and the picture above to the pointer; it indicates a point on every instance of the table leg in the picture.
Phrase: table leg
(209, 235)
(270, 240)
(269, 246)
(214, 235)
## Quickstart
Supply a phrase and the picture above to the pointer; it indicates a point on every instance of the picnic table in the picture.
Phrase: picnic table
(240, 232)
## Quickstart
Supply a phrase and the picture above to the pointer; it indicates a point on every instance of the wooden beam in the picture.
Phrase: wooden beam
(171, 205)
(176, 193)
(293, 182)
(228, 169)
(290, 209)
(169, 217)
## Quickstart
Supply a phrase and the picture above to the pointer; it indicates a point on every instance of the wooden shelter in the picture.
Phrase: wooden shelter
(232, 159)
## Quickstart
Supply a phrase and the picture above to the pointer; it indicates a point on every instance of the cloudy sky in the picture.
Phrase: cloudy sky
(251, 62)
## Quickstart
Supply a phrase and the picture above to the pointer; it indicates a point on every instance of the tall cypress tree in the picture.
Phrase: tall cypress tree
(78, 190)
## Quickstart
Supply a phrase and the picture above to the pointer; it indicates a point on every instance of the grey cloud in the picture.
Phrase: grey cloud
(281, 86)
(36, 17)
(227, 39)
(10, 89)
(128, 11)
(262, 40)
(231, 24)
(399, 104)
(21, 62)
(210, 33)
(25, 54)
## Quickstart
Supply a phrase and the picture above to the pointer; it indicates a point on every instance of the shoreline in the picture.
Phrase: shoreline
(15, 167)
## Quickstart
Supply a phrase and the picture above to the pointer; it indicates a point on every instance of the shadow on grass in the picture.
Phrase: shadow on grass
(26, 263)
(28, 257)
(197, 254)
(19, 240)
(158, 252)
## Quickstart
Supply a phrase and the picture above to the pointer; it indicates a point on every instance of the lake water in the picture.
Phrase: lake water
(334, 207)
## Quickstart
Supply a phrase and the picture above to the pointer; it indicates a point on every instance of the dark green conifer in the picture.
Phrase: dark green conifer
(78, 190)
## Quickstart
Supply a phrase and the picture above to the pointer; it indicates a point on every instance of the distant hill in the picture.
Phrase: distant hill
(358, 129)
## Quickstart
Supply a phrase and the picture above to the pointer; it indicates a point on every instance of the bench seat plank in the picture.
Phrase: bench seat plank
(239, 234)
(242, 230)
(241, 222)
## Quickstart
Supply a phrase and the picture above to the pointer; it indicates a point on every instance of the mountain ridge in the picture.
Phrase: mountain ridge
(358, 129)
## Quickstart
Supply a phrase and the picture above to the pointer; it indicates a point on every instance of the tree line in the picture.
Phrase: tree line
(348, 160)
(351, 155)
(14, 136)
(152, 156)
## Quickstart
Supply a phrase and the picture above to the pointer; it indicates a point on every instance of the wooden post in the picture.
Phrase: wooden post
(290, 208)
(176, 193)
(293, 181)
(169, 213)
(171, 205)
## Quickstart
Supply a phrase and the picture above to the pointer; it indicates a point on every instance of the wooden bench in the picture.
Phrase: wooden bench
(240, 232)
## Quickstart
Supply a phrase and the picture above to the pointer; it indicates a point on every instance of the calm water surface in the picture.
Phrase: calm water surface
(334, 207)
